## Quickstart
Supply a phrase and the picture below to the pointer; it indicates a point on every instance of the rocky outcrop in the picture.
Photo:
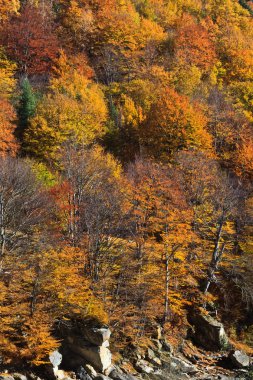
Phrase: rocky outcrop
(209, 333)
(85, 352)
(96, 336)
(239, 359)
(86, 345)
(181, 365)
(98, 356)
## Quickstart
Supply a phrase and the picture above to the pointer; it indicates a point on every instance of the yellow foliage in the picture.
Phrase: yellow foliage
(74, 111)
(7, 8)
(7, 80)
(43, 288)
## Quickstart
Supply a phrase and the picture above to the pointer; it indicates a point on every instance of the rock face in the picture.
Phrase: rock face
(98, 356)
(182, 365)
(239, 359)
(87, 345)
(209, 333)
(97, 336)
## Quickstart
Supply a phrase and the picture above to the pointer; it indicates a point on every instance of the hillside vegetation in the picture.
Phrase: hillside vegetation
(126, 166)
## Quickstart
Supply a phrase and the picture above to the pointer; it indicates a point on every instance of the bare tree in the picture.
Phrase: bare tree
(23, 204)
(95, 202)
(217, 197)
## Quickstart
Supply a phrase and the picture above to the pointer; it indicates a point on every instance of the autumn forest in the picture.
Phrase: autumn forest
(126, 166)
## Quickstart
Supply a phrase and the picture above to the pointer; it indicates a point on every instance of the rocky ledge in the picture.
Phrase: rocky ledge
(85, 355)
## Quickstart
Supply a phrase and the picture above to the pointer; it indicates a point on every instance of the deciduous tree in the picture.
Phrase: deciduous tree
(23, 205)
(8, 144)
(30, 41)
(173, 124)
(75, 110)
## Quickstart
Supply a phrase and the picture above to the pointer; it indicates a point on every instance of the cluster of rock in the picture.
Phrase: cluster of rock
(86, 345)
(160, 362)
(208, 332)
(85, 355)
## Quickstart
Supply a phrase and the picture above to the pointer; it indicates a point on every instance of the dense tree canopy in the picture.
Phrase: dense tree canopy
(126, 167)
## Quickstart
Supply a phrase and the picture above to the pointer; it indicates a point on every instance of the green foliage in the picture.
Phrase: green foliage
(26, 107)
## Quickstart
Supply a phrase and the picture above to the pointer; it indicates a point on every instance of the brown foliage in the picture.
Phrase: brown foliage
(30, 40)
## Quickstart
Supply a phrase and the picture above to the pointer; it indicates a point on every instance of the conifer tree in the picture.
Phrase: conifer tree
(26, 107)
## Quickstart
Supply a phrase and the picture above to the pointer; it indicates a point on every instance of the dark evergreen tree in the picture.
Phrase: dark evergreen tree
(26, 107)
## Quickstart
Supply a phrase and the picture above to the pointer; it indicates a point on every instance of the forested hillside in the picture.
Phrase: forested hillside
(126, 166)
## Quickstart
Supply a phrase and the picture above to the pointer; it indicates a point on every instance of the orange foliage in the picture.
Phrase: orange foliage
(193, 45)
(30, 41)
(38, 290)
(8, 144)
(173, 124)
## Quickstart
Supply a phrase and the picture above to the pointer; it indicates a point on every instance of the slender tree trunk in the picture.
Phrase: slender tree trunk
(167, 281)
(167, 276)
(216, 257)
(2, 228)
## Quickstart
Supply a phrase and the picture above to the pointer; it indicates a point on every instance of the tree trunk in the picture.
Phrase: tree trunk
(216, 257)
(167, 281)
(2, 228)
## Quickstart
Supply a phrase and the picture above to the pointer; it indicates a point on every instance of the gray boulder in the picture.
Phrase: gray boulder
(98, 356)
(239, 359)
(150, 354)
(83, 344)
(96, 336)
(116, 375)
(209, 333)
(182, 366)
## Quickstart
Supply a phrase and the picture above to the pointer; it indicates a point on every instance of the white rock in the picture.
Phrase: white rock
(91, 371)
(98, 356)
(239, 359)
(55, 358)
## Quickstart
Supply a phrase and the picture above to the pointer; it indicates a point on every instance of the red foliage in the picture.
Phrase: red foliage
(194, 45)
(30, 41)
